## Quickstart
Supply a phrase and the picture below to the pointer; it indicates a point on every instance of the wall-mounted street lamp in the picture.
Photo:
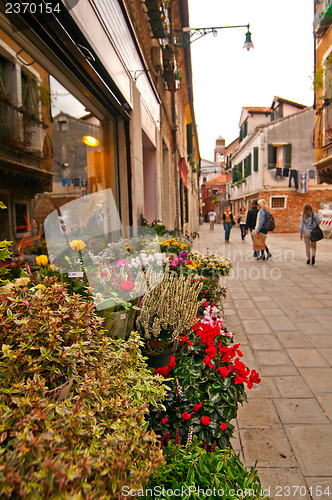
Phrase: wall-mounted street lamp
(187, 35)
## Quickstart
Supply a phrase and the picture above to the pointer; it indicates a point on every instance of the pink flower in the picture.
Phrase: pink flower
(206, 420)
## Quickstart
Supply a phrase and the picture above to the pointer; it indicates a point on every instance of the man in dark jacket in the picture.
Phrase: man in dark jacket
(251, 220)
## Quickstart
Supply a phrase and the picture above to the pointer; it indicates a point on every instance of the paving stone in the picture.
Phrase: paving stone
(271, 311)
(258, 413)
(264, 342)
(325, 400)
(256, 326)
(265, 389)
(243, 304)
(306, 357)
(281, 323)
(318, 379)
(300, 411)
(250, 314)
(278, 371)
(269, 358)
(293, 339)
(312, 445)
(311, 328)
(292, 386)
(326, 321)
(320, 340)
(319, 487)
(239, 295)
(269, 446)
(312, 303)
(278, 483)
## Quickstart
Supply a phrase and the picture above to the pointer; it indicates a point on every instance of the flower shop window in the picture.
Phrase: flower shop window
(278, 202)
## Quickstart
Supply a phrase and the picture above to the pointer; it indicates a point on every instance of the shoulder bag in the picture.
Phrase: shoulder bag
(316, 233)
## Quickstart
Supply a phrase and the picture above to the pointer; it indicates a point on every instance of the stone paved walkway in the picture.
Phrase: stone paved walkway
(281, 312)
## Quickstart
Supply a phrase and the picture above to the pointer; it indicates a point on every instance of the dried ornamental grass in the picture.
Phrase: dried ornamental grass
(169, 310)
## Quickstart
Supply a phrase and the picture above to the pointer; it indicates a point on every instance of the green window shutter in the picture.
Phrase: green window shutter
(245, 129)
(271, 156)
(272, 116)
(240, 137)
(255, 159)
(249, 164)
(190, 148)
(245, 172)
(234, 174)
(288, 155)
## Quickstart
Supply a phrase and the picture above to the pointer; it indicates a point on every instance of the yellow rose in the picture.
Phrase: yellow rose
(7, 287)
(41, 260)
(77, 245)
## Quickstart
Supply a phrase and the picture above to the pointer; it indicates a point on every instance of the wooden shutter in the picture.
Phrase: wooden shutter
(249, 164)
(255, 159)
(288, 155)
(271, 156)
(245, 172)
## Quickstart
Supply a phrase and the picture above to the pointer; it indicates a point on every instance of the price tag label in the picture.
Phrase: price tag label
(78, 274)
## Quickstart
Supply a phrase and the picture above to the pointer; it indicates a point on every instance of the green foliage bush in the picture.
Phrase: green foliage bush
(188, 468)
(95, 440)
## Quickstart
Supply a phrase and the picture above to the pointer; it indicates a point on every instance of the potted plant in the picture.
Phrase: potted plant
(167, 311)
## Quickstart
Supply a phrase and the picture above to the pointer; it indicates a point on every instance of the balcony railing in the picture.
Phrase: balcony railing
(157, 12)
(323, 17)
(22, 130)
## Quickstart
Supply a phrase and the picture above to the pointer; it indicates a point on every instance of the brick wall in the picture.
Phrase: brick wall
(288, 219)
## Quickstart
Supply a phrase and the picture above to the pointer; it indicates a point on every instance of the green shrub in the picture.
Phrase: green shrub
(220, 474)
(95, 440)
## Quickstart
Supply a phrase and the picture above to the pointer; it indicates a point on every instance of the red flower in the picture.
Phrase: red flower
(184, 339)
(206, 420)
(127, 286)
(211, 351)
(164, 370)
(223, 426)
(164, 420)
(186, 416)
(238, 380)
(197, 407)
(104, 274)
(224, 371)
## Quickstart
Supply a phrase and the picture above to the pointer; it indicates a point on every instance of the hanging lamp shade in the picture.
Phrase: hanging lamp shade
(248, 43)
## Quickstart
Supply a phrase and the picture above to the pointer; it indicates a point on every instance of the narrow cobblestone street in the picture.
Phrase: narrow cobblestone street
(280, 311)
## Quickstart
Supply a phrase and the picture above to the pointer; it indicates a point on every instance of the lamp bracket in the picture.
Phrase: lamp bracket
(186, 36)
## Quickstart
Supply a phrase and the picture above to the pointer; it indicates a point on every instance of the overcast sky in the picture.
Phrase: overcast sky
(227, 77)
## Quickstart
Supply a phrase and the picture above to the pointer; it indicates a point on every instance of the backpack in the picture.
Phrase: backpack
(269, 224)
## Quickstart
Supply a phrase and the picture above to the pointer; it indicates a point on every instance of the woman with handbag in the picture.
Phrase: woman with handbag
(309, 222)
(242, 220)
(260, 227)
(228, 223)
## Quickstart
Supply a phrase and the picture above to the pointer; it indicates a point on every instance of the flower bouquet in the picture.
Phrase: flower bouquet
(211, 265)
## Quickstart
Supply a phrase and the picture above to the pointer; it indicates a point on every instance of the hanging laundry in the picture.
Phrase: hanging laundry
(77, 181)
(312, 174)
(303, 182)
(294, 174)
(285, 172)
(64, 181)
(278, 172)
(68, 182)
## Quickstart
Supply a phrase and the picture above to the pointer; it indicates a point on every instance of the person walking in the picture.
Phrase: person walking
(242, 220)
(309, 220)
(260, 227)
(212, 218)
(228, 223)
(251, 221)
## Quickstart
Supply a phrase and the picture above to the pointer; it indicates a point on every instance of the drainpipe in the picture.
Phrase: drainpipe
(174, 135)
